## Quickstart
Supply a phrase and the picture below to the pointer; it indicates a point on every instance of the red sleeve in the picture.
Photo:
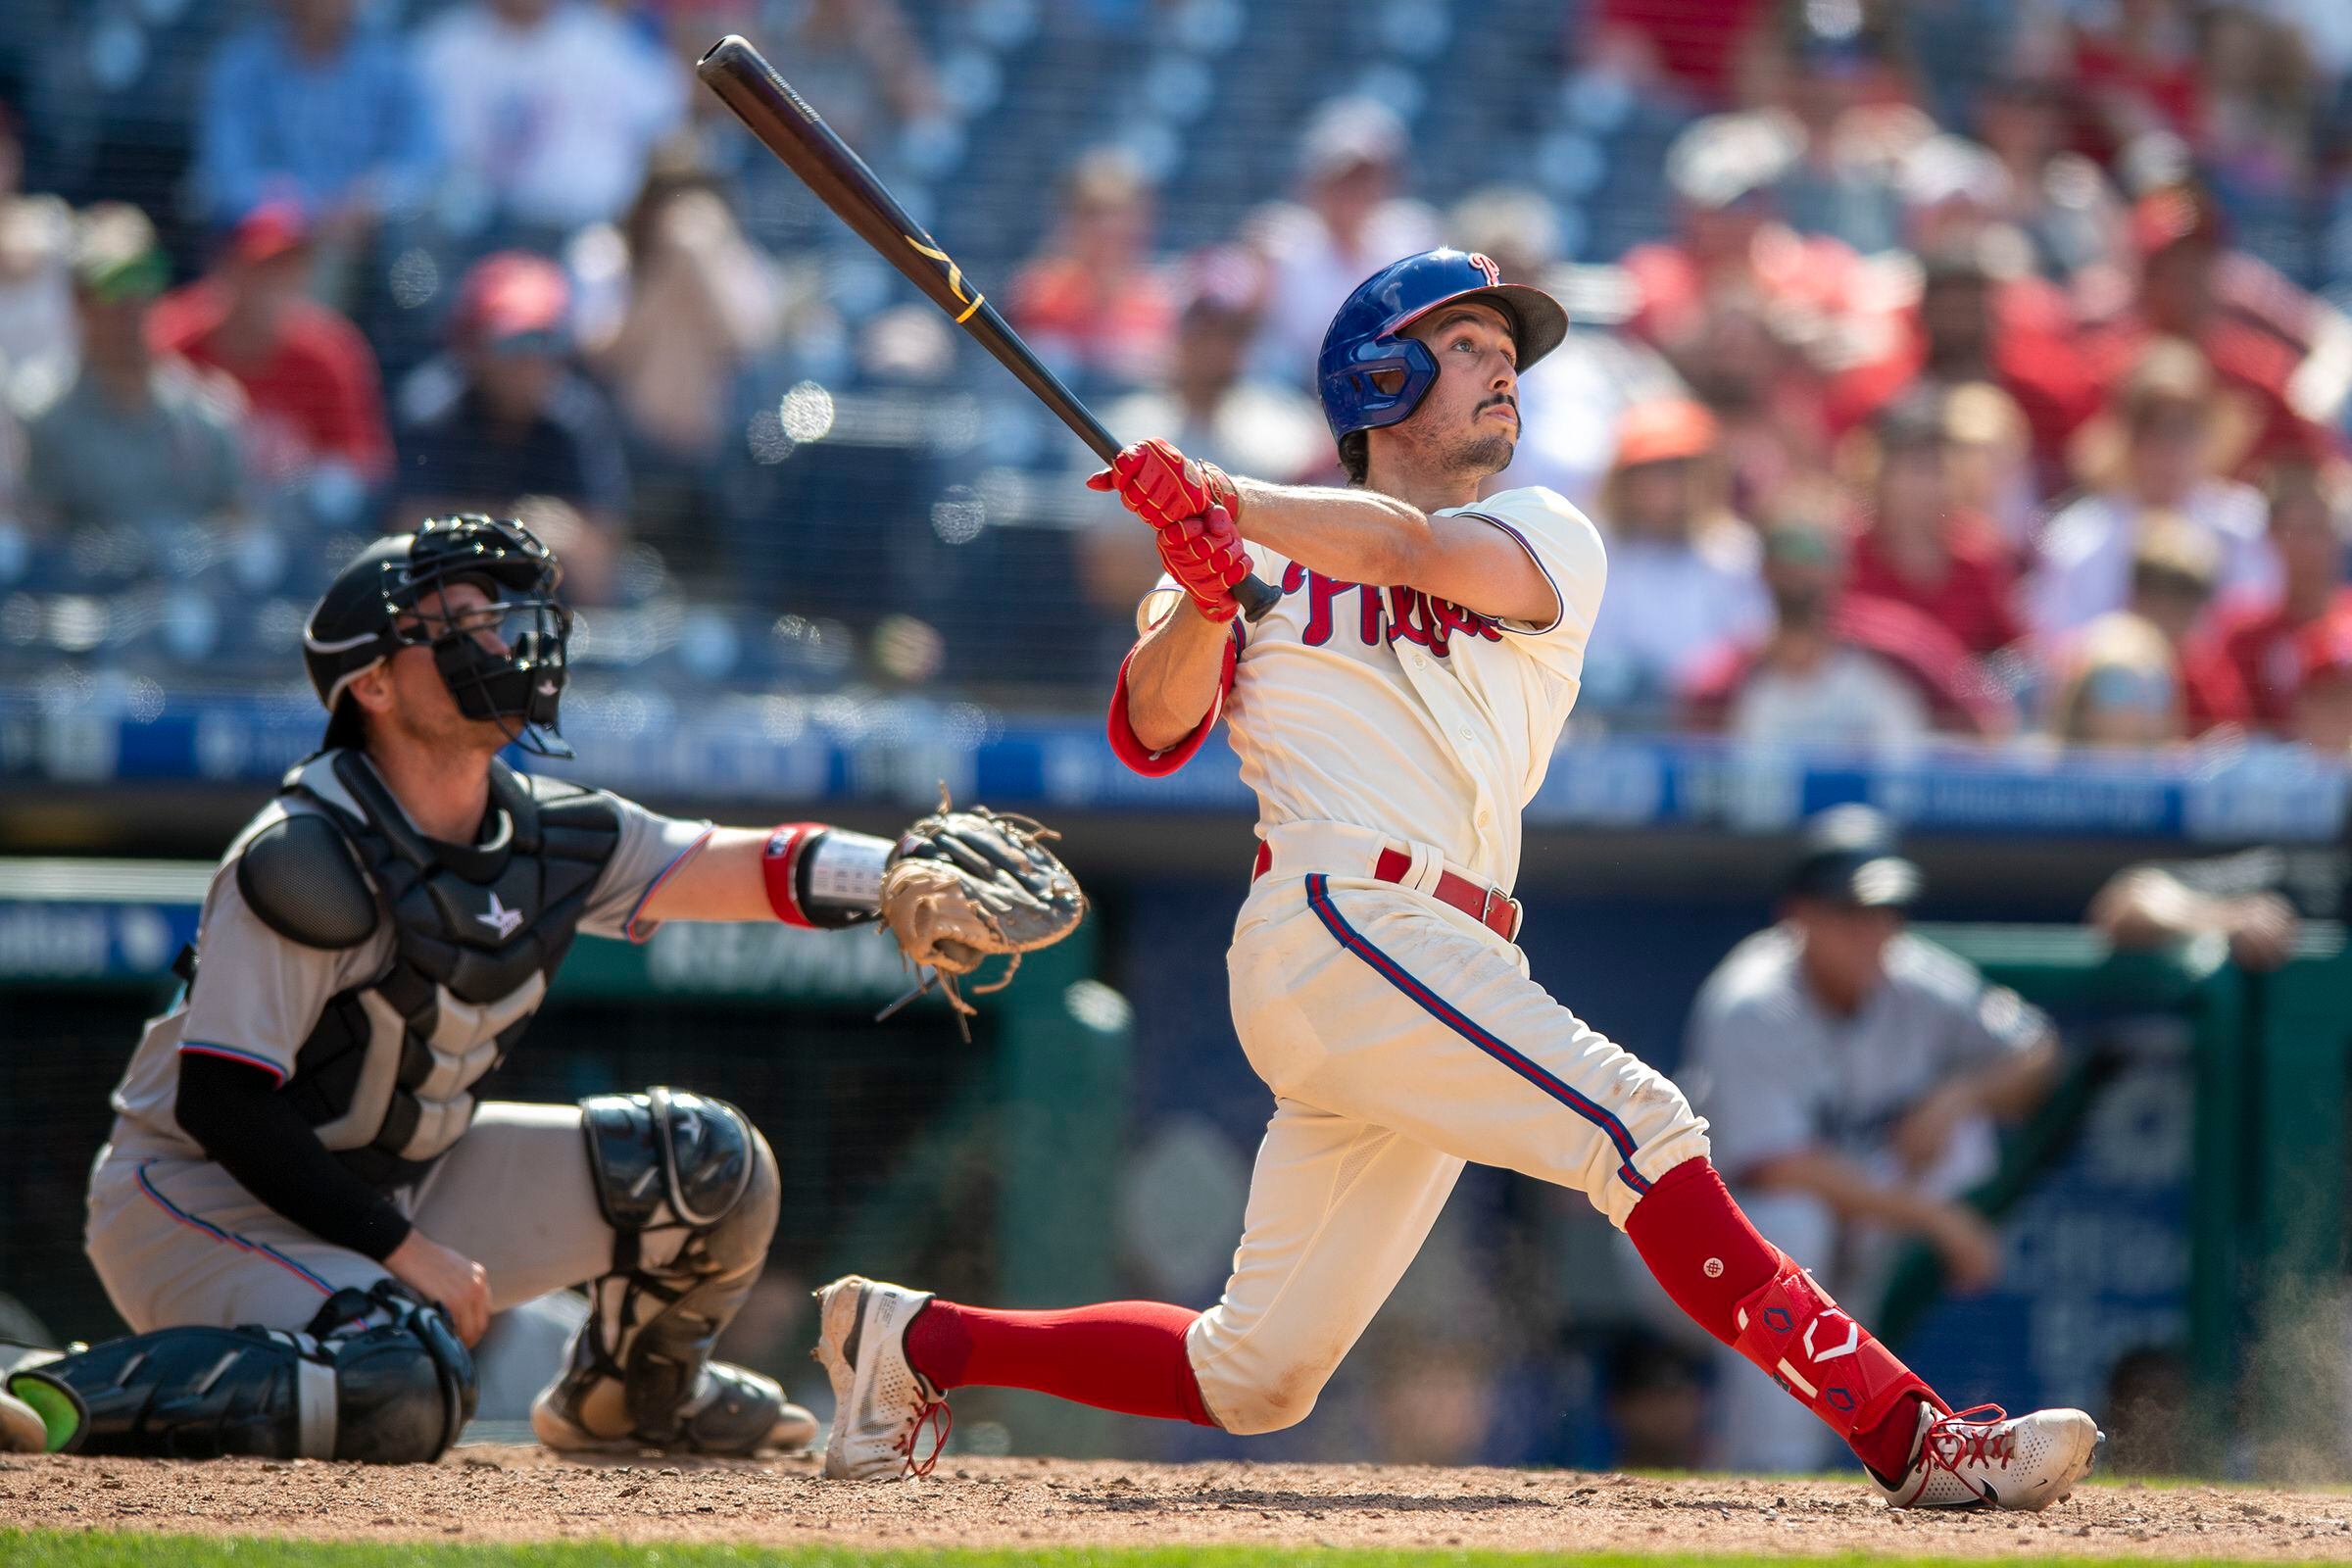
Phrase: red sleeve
(1159, 765)
(1962, 698)
(1707, 694)
(2215, 694)
(354, 415)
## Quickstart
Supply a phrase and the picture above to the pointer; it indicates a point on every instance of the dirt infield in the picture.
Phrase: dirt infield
(511, 1493)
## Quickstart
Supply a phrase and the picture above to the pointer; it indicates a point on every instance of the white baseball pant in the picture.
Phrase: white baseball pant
(1402, 1039)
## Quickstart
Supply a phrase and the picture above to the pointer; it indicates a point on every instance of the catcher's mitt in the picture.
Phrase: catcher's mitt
(963, 886)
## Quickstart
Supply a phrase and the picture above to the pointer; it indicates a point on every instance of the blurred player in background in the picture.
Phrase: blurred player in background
(1393, 735)
(1850, 1074)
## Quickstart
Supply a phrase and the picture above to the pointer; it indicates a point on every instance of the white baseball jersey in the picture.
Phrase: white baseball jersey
(1401, 1036)
(1385, 708)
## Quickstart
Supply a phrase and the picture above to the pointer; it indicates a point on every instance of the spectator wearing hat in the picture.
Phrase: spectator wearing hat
(312, 105)
(1091, 301)
(1347, 223)
(2309, 519)
(504, 416)
(1917, 546)
(2167, 443)
(137, 439)
(309, 379)
(1684, 573)
(1837, 668)
(1852, 1074)
(1211, 408)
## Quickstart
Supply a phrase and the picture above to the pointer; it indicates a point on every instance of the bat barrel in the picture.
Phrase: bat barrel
(797, 136)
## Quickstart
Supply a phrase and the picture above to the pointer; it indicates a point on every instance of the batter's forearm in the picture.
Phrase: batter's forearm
(1348, 535)
(1175, 676)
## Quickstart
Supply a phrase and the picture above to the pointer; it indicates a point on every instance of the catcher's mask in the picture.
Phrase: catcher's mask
(501, 661)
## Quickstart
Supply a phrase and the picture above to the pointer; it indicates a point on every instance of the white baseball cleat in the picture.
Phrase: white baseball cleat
(1988, 1458)
(880, 1402)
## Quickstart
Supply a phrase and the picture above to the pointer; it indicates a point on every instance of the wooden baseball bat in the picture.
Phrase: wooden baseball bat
(788, 127)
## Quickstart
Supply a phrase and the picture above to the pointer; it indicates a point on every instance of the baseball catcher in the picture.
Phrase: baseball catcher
(308, 1209)
(1395, 712)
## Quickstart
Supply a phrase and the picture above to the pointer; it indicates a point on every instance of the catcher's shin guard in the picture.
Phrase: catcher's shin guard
(670, 1166)
(377, 1376)
(1834, 1366)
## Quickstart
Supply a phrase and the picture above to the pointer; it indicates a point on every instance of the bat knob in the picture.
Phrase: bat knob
(1256, 597)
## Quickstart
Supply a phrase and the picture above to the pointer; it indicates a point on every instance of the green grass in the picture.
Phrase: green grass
(41, 1548)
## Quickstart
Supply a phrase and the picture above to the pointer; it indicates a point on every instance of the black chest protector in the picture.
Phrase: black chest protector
(389, 1076)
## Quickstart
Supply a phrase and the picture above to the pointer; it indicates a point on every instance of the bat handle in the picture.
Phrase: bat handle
(1257, 596)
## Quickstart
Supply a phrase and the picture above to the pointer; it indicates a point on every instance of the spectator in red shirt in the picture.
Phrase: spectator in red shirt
(2322, 715)
(1917, 548)
(2260, 638)
(1840, 667)
(2255, 328)
(1972, 323)
(2137, 75)
(1698, 45)
(1091, 299)
(316, 397)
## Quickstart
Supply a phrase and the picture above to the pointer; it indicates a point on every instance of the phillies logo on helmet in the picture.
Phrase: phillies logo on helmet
(1485, 265)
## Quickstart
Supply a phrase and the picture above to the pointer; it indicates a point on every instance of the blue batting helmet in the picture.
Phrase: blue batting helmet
(1371, 374)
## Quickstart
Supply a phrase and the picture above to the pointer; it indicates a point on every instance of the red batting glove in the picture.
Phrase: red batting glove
(1162, 486)
(1205, 554)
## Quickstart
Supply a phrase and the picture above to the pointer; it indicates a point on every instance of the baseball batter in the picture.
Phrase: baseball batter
(309, 1209)
(1393, 714)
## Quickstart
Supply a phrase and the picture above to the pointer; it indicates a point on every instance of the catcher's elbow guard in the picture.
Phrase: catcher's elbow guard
(824, 876)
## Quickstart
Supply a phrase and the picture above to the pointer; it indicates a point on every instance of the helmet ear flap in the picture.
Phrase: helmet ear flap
(1384, 384)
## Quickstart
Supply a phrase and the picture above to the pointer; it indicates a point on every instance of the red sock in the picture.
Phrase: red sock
(1712, 1261)
(1127, 1356)
(1700, 1246)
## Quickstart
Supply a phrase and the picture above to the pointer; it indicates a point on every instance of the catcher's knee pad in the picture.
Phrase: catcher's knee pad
(669, 1161)
(377, 1376)
(1834, 1366)
(678, 1167)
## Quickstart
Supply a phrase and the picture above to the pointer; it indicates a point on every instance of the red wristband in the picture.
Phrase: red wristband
(781, 866)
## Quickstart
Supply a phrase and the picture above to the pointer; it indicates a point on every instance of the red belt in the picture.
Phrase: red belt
(1490, 907)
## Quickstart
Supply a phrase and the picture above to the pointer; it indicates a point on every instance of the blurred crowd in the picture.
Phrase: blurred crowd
(1942, 368)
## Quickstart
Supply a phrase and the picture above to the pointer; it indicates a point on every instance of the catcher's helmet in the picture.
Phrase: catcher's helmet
(369, 614)
(1371, 375)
